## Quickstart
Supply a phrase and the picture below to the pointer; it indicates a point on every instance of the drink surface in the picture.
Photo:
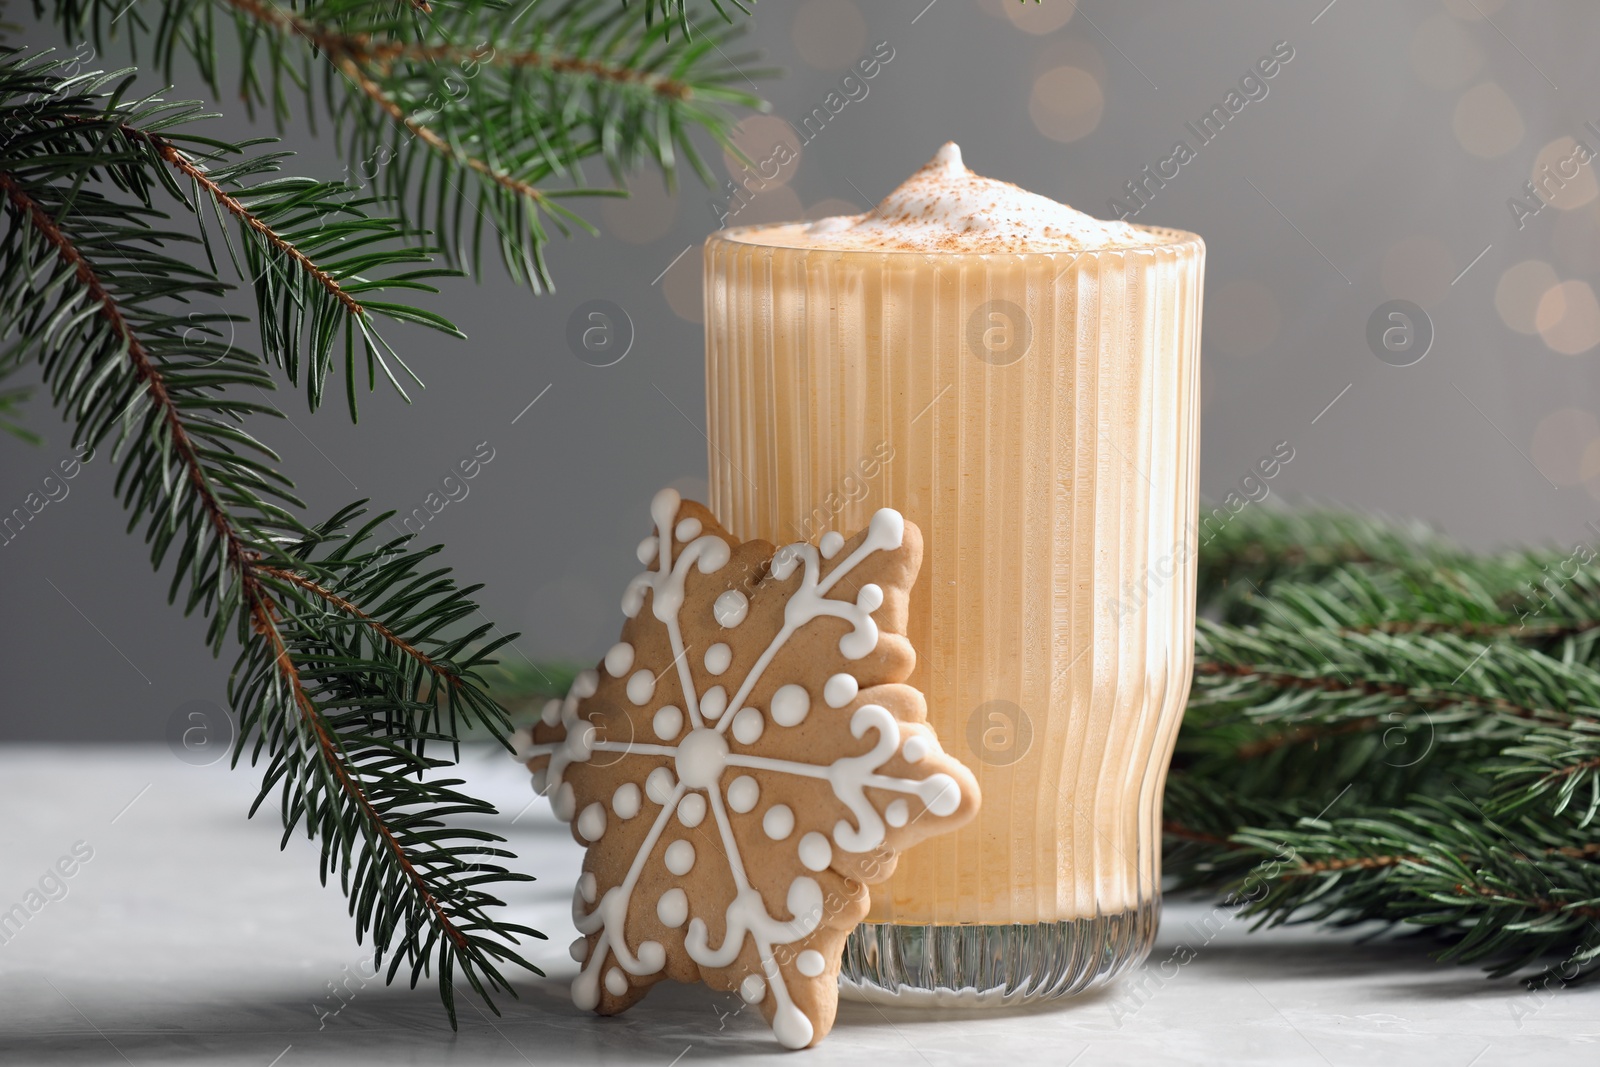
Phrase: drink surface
(944, 207)
(1035, 411)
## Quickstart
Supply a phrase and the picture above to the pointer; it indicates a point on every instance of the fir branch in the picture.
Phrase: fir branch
(336, 635)
(1252, 550)
(1402, 673)
(1491, 660)
(464, 118)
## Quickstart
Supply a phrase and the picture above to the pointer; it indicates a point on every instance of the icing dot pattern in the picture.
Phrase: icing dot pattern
(641, 687)
(619, 659)
(744, 792)
(673, 907)
(778, 822)
(667, 723)
(840, 690)
(692, 809)
(719, 657)
(730, 609)
(679, 857)
(790, 705)
(693, 771)
(748, 726)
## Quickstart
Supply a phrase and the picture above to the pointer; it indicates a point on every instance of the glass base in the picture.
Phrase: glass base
(980, 966)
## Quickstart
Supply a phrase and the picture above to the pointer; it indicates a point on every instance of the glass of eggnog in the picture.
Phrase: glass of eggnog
(1022, 382)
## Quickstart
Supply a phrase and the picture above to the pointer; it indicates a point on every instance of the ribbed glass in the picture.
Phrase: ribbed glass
(1037, 416)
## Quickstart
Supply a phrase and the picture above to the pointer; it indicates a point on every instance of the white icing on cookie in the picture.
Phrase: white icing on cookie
(753, 990)
(840, 690)
(633, 596)
(701, 757)
(625, 801)
(714, 702)
(692, 809)
(791, 1027)
(592, 821)
(585, 684)
(641, 687)
(578, 949)
(897, 812)
(673, 907)
(691, 787)
(586, 886)
(659, 786)
(815, 852)
(667, 723)
(778, 822)
(564, 803)
(790, 705)
(830, 544)
(748, 726)
(618, 659)
(871, 596)
(679, 857)
(743, 794)
(730, 609)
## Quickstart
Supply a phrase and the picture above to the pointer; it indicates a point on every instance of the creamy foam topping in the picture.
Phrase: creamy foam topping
(944, 207)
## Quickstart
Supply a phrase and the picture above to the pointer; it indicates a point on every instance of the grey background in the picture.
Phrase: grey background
(1351, 183)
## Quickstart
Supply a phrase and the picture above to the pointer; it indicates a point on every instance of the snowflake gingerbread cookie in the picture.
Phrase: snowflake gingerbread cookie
(743, 763)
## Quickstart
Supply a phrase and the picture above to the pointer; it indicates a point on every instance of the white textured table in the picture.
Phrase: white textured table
(187, 938)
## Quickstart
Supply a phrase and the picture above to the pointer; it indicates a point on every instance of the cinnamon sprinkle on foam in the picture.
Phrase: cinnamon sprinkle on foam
(944, 207)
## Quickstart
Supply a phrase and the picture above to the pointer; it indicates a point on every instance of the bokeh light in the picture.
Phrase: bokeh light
(1563, 180)
(684, 287)
(1516, 295)
(1444, 53)
(1041, 18)
(1568, 318)
(646, 214)
(1069, 50)
(1066, 103)
(1418, 268)
(770, 142)
(1487, 122)
(1242, 318)
(1561, 443)
(829, 34)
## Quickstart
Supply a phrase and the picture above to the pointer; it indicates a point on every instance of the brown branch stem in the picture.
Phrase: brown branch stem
(1475, 629)
(1185, 833)
(302, 582)
(367, 50)
(1542, 905)
(1421, 698)
(374, 92)
(197, 173)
